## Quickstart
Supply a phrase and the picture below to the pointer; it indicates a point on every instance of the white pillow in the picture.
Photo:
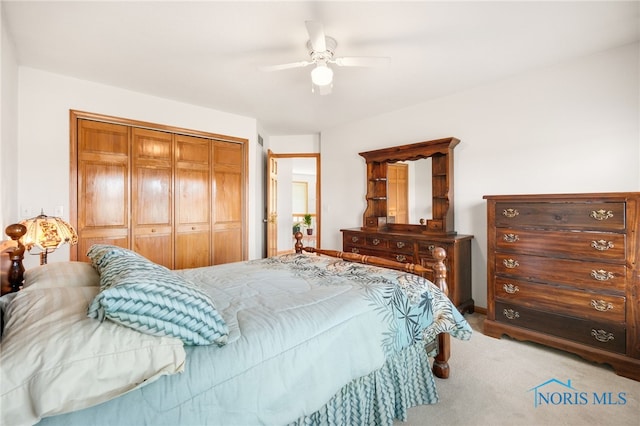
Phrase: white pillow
(62, 274)
(54, 359)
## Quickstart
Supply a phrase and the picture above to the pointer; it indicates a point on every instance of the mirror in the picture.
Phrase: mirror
(410, 187)
(409, 191)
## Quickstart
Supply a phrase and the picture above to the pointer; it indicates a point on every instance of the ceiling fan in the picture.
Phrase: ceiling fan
(321, 52)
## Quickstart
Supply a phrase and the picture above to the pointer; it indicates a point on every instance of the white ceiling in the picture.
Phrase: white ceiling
(208, 52)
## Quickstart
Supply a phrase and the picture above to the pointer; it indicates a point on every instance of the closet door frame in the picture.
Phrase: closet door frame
(75, 116)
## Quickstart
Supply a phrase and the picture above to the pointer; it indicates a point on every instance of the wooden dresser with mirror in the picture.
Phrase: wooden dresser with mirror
(410, 211)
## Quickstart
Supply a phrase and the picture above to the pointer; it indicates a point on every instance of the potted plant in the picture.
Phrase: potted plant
(307, 223)
(296, 228)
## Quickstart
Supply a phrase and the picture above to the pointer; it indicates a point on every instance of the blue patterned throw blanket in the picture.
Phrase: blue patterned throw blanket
(312, 340)
(406, 302)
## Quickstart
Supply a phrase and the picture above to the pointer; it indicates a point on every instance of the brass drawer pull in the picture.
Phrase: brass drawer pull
(511, 314)
(355, 250)
(511, 238)
(400, 244)
(602, 275)
(602, 245)
(601, 305)
(401, 258)
(510, 288)
(601, 335)
(601, 214)
(510, 263)
(376, 241)
(510, 213)
(354, 239)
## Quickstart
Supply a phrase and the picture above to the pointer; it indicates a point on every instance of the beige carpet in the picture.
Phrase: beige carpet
(491, 381)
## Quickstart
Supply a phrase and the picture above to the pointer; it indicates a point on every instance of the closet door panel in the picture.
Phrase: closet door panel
(228, 208)
(228, 245)
(192, 183)
(152, 195)
(172, 198)
(228, 197)
(96, 137)
(157, 248)
(192, 250)
(104, 194)
(192, 188)
(102, 185)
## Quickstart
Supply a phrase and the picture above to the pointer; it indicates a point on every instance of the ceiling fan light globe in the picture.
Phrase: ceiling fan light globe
(322, 75)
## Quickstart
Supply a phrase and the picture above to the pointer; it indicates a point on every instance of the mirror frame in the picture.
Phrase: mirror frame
(441, 153)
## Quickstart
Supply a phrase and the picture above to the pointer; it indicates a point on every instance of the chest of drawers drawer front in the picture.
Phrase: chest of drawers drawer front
(573, 215)
(576, 303)
(605, 277)
(607, 246)
(610, 337)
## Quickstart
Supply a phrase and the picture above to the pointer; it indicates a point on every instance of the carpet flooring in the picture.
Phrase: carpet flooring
(499, 381)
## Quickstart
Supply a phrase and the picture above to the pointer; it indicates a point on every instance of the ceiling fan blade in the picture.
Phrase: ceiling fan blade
(280, 67)
(361, 61)
(316, 36)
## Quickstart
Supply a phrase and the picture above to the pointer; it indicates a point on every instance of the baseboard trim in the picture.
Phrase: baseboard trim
(480, 310)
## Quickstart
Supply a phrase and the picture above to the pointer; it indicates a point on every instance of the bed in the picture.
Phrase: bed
(302, 338)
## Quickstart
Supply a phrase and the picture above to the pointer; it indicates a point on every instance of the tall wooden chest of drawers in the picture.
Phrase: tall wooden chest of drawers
(562, 270)
(417, 248)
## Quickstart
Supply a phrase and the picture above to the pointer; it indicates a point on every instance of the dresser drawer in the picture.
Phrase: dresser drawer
(392, 255)
(376, 242)
(426, 247)
(562, 215)
(573, 245)
(610, 337)
(351, 238)
(385, 254)
(604, 277)
(350, 248)
(562, 300)
(400, 245)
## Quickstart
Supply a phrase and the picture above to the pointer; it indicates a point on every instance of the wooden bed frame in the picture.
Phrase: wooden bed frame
(12, 271)
(436, 272)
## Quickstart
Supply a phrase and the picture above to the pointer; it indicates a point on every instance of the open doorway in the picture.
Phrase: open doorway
(293, 192)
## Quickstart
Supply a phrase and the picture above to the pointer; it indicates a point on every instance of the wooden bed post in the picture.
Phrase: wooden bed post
(16, 255)
(438, 269)
(441, 360)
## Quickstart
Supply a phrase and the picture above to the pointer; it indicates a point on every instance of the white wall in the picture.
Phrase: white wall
(568, 128)
(295, 144)
(9, 127)
(43, 127)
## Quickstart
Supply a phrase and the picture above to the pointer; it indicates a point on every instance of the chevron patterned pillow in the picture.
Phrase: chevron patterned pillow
(150, 298)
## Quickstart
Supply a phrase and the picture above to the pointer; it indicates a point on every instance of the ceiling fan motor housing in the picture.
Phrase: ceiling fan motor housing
(325, 55)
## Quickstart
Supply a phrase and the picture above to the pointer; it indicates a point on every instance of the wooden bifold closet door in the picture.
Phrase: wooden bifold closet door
(177, 199)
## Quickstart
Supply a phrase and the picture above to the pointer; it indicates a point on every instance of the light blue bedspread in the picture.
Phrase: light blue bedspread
(301, 329)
